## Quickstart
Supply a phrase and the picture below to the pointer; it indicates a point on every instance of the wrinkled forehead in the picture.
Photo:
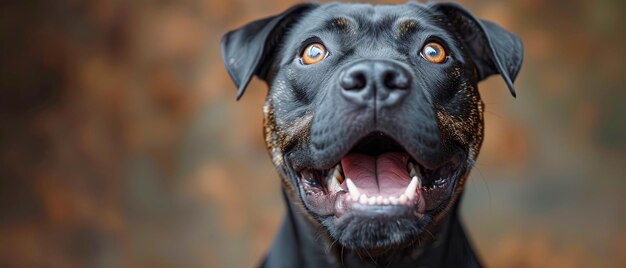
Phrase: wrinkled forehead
(361, 18)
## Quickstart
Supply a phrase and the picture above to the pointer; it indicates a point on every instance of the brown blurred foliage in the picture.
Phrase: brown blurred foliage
(121, 143)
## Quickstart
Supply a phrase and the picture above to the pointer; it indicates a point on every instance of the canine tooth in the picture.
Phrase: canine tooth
(371, 200)
(333, 184)
(363, 199)
(410, 190)
(412, 171)
(403, 199)
(354, 191)
(340, 169)
(337, 174)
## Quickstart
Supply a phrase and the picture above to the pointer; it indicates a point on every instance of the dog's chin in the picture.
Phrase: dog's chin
(378, 230)
(377, 196)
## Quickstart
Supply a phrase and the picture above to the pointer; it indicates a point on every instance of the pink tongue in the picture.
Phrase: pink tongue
(384, 175)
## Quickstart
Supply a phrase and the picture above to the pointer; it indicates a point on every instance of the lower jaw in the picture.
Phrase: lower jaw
(395, 226)
(352, 224)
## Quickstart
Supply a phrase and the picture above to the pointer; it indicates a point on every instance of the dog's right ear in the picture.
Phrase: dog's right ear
(248, 51)
(494, 50)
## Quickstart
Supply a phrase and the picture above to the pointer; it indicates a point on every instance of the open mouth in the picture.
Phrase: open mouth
(376, 176)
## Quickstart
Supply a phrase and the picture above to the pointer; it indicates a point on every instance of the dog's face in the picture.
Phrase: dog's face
(373, 116)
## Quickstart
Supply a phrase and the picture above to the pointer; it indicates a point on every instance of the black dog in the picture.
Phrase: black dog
(374, 120)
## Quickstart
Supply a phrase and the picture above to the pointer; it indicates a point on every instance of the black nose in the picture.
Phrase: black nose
(384, 81)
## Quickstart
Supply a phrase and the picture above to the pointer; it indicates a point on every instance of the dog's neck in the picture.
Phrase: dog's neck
(299, 243)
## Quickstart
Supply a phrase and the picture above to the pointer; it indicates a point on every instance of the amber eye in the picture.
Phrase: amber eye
(434, 52)
(313, 53)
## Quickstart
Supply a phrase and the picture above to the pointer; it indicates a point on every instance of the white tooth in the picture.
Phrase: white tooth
(337, 174)
(354, 192)
(363, 199)
(385, 201)
(379, 200)
(403, 199)
(410, 190)
(393, 200)
(333, 184)
(371, 200)
(412, 171)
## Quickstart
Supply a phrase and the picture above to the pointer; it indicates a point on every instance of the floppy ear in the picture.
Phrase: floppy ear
(247, 51)
(493, 49)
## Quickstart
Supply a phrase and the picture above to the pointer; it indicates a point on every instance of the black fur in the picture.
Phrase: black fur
(312, 120)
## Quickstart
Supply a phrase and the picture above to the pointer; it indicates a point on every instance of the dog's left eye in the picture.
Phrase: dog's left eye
(434, 52)
(313, 53)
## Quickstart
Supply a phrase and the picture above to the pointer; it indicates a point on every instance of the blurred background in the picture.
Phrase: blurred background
(122, 145)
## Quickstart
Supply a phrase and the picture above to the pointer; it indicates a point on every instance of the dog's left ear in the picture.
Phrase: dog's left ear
(493, 49)
(248, 51)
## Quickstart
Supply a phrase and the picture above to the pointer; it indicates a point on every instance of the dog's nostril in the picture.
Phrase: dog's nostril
(395, 80)
(353, 81)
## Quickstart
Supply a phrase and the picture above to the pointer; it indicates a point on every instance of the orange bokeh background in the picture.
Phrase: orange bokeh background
(122, 144)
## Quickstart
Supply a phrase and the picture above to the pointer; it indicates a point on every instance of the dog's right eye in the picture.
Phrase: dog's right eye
(313, 54)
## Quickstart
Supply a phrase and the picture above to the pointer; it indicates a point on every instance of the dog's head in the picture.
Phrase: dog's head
(373, 116)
